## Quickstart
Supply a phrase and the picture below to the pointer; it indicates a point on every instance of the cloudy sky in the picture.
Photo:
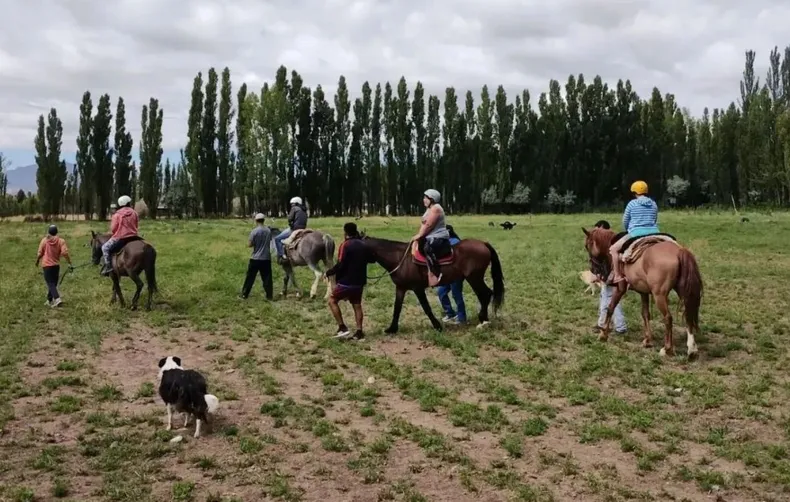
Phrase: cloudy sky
(51, 51)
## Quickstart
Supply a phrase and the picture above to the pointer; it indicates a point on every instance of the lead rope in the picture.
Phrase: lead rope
(401, 262)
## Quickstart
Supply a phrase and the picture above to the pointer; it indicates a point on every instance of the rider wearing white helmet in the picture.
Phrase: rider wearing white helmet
(297, 220)
(123, 228)
(433, 238)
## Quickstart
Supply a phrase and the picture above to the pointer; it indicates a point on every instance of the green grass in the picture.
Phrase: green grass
(533, 407)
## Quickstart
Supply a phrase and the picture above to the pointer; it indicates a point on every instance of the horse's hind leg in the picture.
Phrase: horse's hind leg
(116, 288)
(484, 294)
(139, 283)
(318, 274)
(647, 340)
(662, 302)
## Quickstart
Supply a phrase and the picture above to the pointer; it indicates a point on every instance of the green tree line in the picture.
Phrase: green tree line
(577, 146)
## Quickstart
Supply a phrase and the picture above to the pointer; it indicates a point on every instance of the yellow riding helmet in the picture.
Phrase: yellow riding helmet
(639, 187)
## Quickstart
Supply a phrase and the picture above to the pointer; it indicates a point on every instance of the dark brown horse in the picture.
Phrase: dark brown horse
(660, 268)
(135, 258)
(470, 260)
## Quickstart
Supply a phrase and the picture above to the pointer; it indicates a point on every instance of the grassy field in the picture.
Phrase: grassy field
(531, 408)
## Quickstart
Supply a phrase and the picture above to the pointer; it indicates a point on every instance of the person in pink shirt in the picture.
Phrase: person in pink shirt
(124, 230)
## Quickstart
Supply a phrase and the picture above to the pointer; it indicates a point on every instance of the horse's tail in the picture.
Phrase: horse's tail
(496, 275)
(329, 250)
(150, 269)
(689, 288)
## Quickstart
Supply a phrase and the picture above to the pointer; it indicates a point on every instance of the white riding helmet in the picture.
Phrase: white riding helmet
(434, 195)
(296, 200)
(124, 200)
(259, 217)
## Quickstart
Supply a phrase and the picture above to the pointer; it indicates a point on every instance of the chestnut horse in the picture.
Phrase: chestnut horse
(471, 258)
(662, 267)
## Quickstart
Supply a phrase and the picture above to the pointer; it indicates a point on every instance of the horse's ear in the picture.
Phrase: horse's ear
(93, 234)
(586, 232)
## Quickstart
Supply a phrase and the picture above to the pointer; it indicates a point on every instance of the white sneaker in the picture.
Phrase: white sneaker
(447, 318)
(342, 333)
(57, 302)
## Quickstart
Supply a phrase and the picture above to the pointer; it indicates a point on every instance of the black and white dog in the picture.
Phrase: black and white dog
(186, 391)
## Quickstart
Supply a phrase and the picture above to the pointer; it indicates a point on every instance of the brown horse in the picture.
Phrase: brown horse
(135, 258)
(470, 259)
(662, 267)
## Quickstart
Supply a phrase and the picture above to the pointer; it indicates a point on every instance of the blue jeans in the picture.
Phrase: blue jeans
(457, 289)
(105, 249)
(619, 318)
(278, 241)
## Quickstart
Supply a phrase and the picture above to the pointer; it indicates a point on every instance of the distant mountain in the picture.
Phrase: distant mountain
(24, 177)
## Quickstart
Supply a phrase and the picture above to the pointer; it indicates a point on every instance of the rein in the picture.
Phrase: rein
(390, 272)
(71, 269)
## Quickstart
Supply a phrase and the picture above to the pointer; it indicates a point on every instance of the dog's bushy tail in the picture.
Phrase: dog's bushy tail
(212, 402)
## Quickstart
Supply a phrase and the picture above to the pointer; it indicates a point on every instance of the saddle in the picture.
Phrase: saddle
(633, 248)
(419, 259)
(293, 240)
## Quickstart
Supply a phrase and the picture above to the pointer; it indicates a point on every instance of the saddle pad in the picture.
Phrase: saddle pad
(640, 244)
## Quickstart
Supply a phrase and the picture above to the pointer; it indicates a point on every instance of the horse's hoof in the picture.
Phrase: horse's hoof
(603, 337)
(664, 352)
(391, 330)
(693, 356)
(134, 307)
(482, 325)
(647, 344)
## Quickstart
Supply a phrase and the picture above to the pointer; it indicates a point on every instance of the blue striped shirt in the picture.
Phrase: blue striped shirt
(641, 217)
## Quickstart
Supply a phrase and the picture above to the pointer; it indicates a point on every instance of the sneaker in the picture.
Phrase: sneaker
(242, 297)
(49, 303)
(57, 302)
(448, 318)
(359, 335)
(342, 332)
(106, 270)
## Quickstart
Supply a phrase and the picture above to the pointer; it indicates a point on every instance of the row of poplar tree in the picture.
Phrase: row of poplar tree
(570, 149)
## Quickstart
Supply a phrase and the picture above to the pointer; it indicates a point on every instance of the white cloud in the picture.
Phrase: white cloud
(51, 51)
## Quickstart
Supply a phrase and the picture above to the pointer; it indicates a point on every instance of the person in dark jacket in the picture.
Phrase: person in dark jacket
(297, 220)
(351, 273)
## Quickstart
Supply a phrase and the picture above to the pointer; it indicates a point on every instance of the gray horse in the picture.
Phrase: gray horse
(312, 248)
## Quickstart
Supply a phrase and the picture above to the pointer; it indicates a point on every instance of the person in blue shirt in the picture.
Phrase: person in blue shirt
(639, 219)
(457, 289)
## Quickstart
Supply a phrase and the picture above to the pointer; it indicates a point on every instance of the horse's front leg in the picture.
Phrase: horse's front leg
(399, 295)
(426, 307)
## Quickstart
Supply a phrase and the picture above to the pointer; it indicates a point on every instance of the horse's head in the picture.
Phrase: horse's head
(95, 244)
(597, 242)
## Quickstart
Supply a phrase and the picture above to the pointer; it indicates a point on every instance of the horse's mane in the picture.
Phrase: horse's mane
(602, 238)
(385, 241)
